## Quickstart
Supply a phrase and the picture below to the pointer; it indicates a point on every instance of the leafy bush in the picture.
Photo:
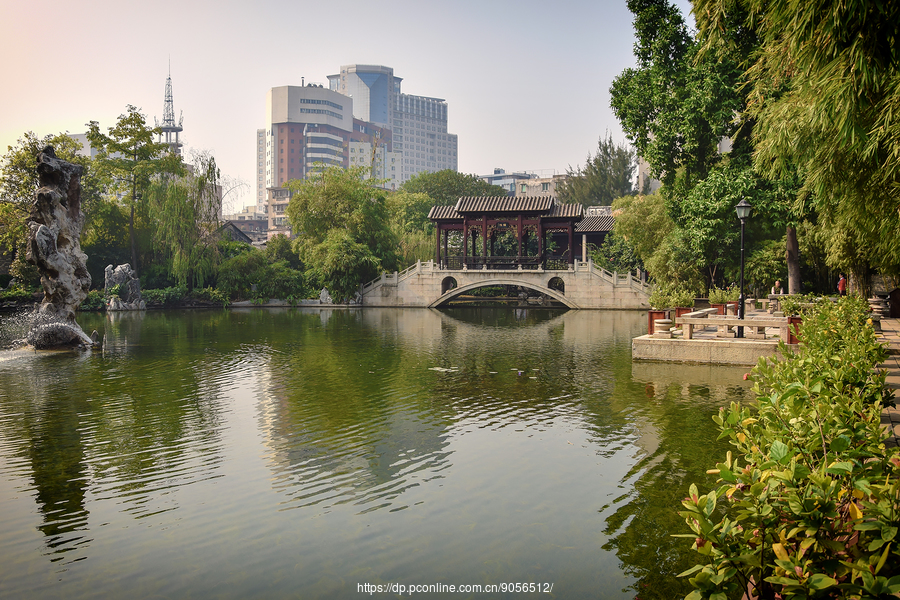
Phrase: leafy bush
(211, 294)
(164, 297)
(94, 301)
(810, 507)
(719, 296)
(16, 293)
(114, 290)
(668, 296)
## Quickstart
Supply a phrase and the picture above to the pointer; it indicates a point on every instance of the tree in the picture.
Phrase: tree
(129, 157)
(185, 211)
(447, 186)
(606, 175)
(824, 92)
(343, 228)
(18, 184)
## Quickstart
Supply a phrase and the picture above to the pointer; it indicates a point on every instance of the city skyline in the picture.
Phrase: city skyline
(527, 86)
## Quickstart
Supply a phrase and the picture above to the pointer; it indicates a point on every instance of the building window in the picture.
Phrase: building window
(545, 187)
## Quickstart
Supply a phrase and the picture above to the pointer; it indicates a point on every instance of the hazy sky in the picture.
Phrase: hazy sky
(526, 82)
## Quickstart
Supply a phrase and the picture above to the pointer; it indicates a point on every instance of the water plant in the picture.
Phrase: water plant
(808, 503)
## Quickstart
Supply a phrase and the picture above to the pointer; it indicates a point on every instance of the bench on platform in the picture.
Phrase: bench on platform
(756, 325)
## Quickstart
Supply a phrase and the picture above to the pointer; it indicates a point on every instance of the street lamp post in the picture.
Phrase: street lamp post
(743, 212)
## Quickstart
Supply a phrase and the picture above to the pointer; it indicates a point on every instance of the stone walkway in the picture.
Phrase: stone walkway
(890, 418)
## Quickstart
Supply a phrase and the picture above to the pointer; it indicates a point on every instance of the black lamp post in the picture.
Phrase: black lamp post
(743, 212)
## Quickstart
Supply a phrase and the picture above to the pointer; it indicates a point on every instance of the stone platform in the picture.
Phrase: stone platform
(706, 345)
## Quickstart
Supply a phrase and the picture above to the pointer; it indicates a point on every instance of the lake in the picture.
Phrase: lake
(306, 453)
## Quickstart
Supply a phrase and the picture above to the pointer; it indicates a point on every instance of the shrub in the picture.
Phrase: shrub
(668, 296)
(211, 294)
(164, 297)
(94, 301)
(16, 293)
(719, 296)
(810, 507)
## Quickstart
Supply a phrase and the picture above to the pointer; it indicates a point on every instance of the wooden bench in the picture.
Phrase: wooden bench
(725, 324)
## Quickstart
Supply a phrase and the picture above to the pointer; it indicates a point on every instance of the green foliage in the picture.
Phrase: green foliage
(616, 254)
(279, 248)
(185, 211)
(409, 211)
(667, 295)
(18, 183)
(344, 231)
(114, 290)
(605, 176)
(765, 266)
(127, 159)
(810, 506)
(239, 274)
(340, 264)
(720, 296)
(802, 305)
(164, 296)
(447, 186)
(16, 293)
(210, 294)
(93, 301)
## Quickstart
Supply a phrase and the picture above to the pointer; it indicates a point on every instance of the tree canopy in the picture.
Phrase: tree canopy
(447, 186)
(342, 223)
(605, 176)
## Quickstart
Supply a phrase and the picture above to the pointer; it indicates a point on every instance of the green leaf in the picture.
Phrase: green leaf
(818, 581)
(779, 452)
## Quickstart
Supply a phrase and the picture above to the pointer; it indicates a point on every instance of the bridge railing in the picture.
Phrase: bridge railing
(397, 276)
(617, 279)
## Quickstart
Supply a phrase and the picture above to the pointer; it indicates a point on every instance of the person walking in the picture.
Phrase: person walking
(842, 286)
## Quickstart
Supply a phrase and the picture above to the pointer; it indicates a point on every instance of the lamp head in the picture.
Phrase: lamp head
(743, 209)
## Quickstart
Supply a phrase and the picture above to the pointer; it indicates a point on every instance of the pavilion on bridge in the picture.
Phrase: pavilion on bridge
(544, 233)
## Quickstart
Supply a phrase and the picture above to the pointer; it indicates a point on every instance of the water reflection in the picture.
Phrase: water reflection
(319, 448)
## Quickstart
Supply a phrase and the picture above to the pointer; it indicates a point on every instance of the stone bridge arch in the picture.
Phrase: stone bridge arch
(451, 294)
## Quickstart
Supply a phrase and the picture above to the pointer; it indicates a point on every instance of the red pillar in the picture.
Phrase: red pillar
(484, 237)
(437, 252)
(571, 246)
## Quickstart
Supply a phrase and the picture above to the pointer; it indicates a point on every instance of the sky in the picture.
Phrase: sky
(526, 82)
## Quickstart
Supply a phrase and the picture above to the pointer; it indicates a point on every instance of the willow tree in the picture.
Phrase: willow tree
(185, 211)
(824, 92)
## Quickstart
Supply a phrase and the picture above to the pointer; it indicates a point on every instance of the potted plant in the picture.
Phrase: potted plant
(660, 303)
(682, 301)
(721, 298)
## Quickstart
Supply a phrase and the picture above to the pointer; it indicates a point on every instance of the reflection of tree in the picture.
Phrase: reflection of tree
(339, 426)
(679, 444)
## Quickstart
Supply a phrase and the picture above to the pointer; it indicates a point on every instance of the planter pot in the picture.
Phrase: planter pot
(793, 322)
(720, 308)
(653, 314)
(683, 310)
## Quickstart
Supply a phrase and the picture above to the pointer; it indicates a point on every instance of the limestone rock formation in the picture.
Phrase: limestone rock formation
(54, 225)
(325, 297)
(129, 288)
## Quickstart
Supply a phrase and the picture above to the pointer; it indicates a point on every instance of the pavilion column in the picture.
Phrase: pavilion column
(571, 246)
(465, 240)
(583, 247)
(446, 254)
(437, 252)
(484, 237)
(519, 234)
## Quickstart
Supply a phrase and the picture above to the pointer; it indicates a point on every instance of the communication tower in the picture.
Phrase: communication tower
(169, 129)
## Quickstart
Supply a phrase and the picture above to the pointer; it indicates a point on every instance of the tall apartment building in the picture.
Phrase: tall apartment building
(418, 123)
(361, 119)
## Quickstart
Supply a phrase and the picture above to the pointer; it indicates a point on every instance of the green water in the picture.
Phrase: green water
(302, 453)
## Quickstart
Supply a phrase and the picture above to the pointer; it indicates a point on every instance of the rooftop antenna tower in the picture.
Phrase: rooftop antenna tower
(169, 129)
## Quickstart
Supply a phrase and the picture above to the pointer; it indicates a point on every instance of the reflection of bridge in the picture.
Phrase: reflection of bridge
(583, 285)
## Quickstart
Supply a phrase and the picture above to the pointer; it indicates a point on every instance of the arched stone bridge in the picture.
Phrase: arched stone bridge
(583, 285)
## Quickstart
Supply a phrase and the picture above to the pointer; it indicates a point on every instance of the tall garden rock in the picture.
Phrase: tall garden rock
(54, 231)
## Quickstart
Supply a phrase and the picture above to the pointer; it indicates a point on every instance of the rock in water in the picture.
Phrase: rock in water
(129, 288)
(54, 247)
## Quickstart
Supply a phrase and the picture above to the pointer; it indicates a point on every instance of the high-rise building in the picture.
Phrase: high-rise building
(418, 123)
(361, 119)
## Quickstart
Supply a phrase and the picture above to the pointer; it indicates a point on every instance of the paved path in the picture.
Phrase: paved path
(890, 418)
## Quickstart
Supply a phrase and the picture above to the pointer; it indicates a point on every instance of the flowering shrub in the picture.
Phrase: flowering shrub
(809, 505)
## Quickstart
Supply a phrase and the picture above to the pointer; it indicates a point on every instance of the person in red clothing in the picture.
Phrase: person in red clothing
(842, 286)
